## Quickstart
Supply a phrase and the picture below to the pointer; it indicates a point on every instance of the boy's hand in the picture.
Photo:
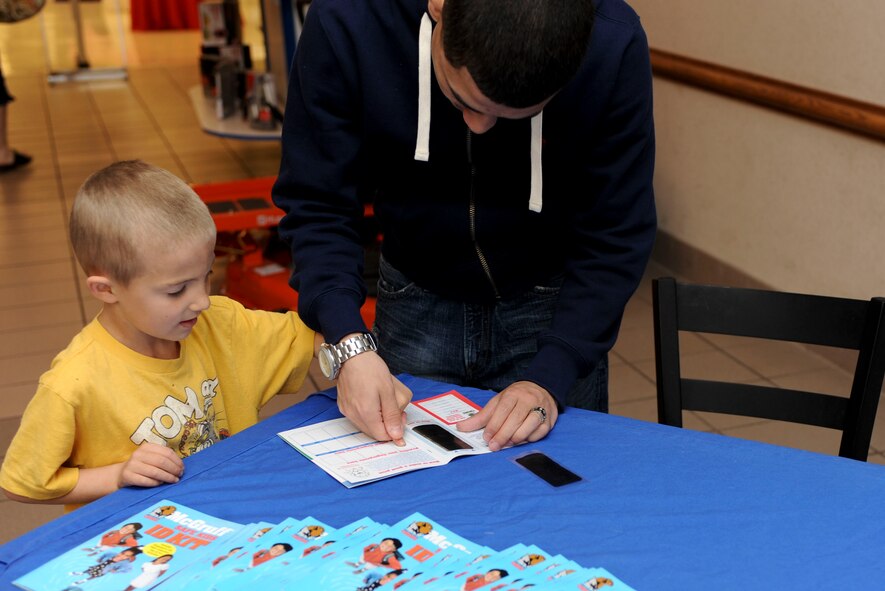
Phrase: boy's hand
(151, 465)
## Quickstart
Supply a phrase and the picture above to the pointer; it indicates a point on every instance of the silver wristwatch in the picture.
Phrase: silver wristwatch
(332, 357)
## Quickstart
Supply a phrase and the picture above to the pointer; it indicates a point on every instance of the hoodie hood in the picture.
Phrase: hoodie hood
(422, 142)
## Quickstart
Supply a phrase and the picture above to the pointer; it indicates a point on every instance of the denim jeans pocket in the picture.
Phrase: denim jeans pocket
(392, 284)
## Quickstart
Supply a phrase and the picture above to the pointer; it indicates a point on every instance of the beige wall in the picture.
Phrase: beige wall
(793, 204)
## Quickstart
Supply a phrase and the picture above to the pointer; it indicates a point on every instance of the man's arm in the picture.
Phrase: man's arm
(317, 188)
(613, 226)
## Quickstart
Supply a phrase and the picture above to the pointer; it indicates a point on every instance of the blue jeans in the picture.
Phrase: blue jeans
(485, 346)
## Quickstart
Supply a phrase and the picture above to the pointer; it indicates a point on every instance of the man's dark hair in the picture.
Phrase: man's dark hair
(519, 52)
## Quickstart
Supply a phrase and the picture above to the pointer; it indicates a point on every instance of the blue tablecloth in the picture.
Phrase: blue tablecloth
(659, 507)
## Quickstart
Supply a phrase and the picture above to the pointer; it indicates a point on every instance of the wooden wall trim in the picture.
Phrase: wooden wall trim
(845, 113)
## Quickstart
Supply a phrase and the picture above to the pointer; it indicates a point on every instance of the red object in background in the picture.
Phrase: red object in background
(162, 15)
(252, 278)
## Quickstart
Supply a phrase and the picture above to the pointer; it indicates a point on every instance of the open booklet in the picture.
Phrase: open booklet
(353, 458)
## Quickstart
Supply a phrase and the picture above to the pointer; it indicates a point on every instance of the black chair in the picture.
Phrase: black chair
(801, 318)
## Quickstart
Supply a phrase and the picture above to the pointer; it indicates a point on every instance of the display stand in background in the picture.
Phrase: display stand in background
(234, 100)
(84, 70)
(234, 128)
(164, 15)
(283, 21)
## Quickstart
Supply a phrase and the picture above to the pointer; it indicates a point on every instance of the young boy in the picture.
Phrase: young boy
(165, 369)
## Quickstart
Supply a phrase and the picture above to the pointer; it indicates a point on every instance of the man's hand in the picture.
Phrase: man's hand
(509, 417)
(372, 399)
(151, 465)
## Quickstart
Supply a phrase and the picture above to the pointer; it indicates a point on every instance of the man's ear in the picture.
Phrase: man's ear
(434, 8)
(102, 288)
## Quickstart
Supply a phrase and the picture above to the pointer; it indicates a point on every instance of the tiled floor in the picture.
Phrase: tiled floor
(74, 128)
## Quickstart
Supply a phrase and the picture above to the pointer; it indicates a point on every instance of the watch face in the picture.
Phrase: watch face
(326, 363)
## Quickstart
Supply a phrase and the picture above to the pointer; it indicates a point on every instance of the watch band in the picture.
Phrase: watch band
(354, 346)
(331, 357)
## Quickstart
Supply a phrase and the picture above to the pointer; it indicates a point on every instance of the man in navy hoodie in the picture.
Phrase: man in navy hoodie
(509, 156)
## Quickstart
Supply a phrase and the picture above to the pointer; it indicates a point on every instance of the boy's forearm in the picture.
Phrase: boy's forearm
(92, 484)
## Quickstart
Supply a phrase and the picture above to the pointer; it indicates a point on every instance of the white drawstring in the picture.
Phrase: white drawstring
(422, 143)
(536, 200)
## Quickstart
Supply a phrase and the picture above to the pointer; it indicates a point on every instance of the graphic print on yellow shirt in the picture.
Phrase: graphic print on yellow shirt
(193, 420)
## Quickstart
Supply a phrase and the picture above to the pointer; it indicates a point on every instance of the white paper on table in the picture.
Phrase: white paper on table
(353, 458)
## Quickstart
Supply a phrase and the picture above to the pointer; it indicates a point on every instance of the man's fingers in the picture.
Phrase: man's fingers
(402, 392)
(392, 415)
(374, 429)
(480, 419)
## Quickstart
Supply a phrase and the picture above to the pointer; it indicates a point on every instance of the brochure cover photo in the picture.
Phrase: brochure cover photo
(136, 553)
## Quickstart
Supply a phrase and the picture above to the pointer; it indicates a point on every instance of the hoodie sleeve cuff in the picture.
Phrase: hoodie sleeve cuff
(338, 313)
(555, 370)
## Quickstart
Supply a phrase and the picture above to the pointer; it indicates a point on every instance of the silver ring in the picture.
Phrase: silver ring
(541, 412)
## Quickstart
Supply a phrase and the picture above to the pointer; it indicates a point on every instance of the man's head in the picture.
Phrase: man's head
(507, 58)
(127, 211)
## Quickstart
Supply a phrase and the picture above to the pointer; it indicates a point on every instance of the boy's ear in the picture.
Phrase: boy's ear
(101, 288)
(434, 8)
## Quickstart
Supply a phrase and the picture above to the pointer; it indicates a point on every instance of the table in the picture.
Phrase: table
(660, 507)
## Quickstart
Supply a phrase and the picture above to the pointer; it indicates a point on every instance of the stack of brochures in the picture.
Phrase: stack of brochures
(170, 546)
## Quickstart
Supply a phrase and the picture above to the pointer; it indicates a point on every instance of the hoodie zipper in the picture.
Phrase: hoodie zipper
(471, 210)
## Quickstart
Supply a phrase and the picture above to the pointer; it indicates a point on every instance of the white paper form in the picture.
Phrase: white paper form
(353, 458)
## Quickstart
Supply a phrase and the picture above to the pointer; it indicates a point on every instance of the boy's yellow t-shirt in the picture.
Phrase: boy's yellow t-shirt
(100, 400)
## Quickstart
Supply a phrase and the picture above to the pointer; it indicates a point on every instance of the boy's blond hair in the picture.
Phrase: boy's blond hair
(128, 210)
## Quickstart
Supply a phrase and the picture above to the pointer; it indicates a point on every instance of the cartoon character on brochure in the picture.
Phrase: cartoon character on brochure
(125, 537)
(275, 550)
(383, 554)
(596, 583)
(477, 581)
(377, 579)
(150, 572)
(109, 563)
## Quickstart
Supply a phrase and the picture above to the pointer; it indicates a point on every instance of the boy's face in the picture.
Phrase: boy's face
(160, 307)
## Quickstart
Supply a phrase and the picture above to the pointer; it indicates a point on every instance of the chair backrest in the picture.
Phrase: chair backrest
(801, 318)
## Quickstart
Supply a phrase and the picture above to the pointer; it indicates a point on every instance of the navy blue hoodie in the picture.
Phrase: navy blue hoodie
(350, 135)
